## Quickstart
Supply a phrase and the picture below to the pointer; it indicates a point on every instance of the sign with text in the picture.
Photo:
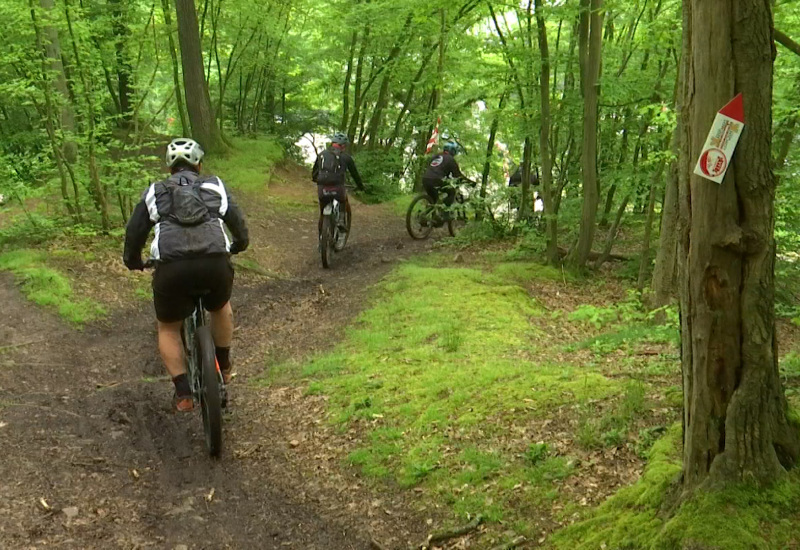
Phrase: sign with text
(721, 141)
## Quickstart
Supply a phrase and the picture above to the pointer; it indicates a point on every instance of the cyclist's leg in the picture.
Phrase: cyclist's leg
(345, 201)
(323, 201)
(218, 273)
(173, 304)
(432, 188)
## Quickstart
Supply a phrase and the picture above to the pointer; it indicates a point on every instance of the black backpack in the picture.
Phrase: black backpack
(188, 207)
(331, 168)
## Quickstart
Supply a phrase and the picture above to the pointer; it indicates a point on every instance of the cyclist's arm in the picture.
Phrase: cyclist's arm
(136, 232)
(351, 167)
(315, 170)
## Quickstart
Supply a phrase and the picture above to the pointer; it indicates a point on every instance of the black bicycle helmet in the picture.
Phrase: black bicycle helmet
(451, 147)
(340, 138)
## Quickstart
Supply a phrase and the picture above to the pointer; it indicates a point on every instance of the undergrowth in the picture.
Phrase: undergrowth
(48, 287)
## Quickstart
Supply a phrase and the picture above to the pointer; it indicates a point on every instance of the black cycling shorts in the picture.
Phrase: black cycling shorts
(176, 284)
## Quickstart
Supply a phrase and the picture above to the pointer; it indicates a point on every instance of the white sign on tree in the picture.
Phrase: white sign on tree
(721, 141)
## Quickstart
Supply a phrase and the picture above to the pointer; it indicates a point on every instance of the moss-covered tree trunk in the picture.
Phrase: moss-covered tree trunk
(735, 413)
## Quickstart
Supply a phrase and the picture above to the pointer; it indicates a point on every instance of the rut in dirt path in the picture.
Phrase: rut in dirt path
(93, 455)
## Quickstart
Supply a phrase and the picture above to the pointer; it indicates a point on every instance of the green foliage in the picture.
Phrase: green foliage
(47, 287)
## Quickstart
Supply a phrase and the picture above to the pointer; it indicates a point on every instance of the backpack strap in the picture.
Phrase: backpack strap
(215, 185)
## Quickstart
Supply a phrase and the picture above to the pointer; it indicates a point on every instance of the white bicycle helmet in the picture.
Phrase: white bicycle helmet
(185, 149)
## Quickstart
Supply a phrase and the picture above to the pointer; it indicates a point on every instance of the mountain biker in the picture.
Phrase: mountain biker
(191, 252)
(330, 170)
(442, 167)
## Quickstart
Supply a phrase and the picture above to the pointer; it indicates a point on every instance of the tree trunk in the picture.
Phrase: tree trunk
(612, 233)
(357, 99)
(121, 37)
(591, 195)
(347, 77)
(198, 102)
(546, 153)
(487, 164)
(644, 263)
(735, 412)
(49, 115)
(176, 73)
(52, 48)
(665, 271)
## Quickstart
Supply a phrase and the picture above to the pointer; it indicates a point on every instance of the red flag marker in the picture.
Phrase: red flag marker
(721, 141)
(434, 136)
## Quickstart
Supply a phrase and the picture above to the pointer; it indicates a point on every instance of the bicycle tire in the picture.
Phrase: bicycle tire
(424, 231)
(325, 243)
(210, 399)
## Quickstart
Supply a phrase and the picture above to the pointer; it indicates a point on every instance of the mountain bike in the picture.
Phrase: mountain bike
(205, 377)
(335, 227)
(202, 369)
(423, 216)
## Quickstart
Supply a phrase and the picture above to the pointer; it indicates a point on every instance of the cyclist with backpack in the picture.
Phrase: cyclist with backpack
(330, 170)
(191, 252)
(442, 167)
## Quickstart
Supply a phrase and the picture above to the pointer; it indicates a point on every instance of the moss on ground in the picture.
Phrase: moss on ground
(739, 518)
(249, 164)
(442, 374)
(48, 287)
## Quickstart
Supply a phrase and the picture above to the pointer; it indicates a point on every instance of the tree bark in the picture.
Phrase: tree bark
(735, 412)
(198, 102)
(545, 150)
(121, 37)
(357, 95)
(591, 194)
(176, 73)
(347, 77)
(664, 283)
(487, 164)
(644, 263)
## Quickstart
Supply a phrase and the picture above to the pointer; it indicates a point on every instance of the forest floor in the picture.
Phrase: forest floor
(411, 388)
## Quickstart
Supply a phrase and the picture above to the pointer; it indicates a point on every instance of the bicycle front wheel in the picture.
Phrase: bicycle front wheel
(210, 399)
(418, 217)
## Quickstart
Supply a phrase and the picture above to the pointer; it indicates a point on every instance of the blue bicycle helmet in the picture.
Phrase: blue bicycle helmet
(451, 147)
(340, 138)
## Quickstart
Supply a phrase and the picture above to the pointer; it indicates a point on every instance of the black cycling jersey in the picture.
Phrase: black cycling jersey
(442, 166)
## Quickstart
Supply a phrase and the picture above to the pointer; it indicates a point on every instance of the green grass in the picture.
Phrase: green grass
(435, 372)
(248, 165)
(740, 517)
(48, 287)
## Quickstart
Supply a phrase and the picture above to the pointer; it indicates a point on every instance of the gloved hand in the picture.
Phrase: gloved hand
(135, 264)
(237, 246)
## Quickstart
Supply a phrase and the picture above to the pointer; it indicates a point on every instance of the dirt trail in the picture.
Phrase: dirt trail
(93, 457)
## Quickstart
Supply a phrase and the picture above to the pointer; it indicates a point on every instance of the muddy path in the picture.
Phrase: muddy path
(93, 456)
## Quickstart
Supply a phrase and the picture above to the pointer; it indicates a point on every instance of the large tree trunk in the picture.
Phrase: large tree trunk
(590, 61)
(198, 102)
(735, 411)
(545, 152)
(176, 73)
(487, 164)
(357, 95)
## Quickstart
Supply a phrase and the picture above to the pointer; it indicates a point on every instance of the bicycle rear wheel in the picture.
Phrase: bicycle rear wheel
(326, 243)
(210, 400)
(418, 219)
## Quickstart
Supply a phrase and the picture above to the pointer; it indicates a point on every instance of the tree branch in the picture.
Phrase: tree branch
(786, 42)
